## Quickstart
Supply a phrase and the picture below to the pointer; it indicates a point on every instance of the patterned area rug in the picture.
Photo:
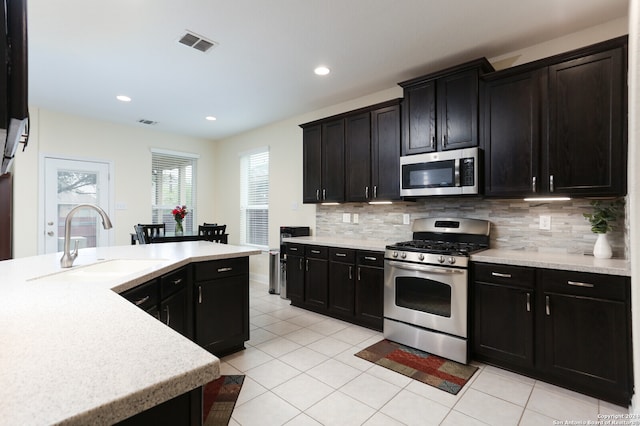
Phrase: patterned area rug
(219, 398)
(450, 376)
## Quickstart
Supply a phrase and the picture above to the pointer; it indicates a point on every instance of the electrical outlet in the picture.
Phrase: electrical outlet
(346, 217)
(406, 219)
(545, 222)
(356, 218)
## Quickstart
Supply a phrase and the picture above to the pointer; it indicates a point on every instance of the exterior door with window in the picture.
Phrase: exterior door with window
(68, 183)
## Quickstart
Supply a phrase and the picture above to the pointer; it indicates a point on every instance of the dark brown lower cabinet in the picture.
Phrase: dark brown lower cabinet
(369, 289)
(572, 329)
(221, 300)
(316, 277)
(342, 272)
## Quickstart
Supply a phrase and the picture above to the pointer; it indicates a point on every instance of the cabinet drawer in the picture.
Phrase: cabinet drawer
(505, 274)
(317, 252)
(371, 258)
(143, 296)
(173, 282)
(295, 249)
(342, 255)
(221, 268)
(585, 284)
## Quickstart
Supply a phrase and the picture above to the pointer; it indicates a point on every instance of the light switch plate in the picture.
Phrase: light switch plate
(406, 219)
(346, 217)
(545, 222)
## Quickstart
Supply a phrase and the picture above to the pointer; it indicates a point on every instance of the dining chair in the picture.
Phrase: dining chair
(140, 236)
(152, 230)
(214, 233)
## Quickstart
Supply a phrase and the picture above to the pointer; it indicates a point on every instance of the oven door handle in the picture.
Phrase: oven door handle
(423, 268)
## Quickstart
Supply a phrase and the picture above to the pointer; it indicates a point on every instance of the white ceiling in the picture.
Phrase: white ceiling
(82, 53)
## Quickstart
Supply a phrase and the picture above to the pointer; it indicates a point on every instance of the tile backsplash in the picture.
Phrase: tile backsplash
(514, 223)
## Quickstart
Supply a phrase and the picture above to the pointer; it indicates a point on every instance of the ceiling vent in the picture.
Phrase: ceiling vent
(197, 42)
(147, 122)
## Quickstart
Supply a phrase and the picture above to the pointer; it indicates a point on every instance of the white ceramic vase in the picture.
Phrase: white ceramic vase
(602, 248)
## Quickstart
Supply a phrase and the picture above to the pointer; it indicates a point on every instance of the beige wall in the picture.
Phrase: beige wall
(127, 147)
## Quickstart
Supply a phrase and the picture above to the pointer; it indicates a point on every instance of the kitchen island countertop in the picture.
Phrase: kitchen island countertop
(78, 353)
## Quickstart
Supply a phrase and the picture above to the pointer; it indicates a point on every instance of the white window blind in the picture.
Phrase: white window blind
(172, 184)
(254, 198)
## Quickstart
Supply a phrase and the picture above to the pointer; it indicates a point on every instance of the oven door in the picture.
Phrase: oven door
(432, 297)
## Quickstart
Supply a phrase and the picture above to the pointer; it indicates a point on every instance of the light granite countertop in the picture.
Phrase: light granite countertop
(75, 352)
(551, 260)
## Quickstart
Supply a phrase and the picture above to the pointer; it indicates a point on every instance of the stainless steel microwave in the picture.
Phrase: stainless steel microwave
(452, 172)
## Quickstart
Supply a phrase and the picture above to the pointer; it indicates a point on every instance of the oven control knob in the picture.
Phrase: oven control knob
(441, 259)
(403, 255)
(421, 256)
(394, 254)
(452, 260)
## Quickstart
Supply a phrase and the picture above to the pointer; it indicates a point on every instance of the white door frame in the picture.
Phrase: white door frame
(41, 194)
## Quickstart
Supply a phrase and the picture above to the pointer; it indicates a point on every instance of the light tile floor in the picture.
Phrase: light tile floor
(301, 370)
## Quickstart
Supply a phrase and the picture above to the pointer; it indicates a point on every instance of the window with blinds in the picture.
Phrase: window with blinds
(173, 176)
(254, 198)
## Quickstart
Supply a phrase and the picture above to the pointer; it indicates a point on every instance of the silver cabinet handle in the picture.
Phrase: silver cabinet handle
(307, 267)
(533, 184)
(433, 142)
(177, 281)
(141, 301)
(341, 254)
(199, 294)
(324, 194)
(366, 192)
(370, 258)
(50, 233)
(579, 284)
(317, 195)
(528, 302)
(547, 307)
(315, 251)
(168, 315)
(551, 183)
(300, 265)
(293, 248)
(500, 275)
(359, 269)
(225, 269)
(375, 191)
(444, 141)
(350, 272)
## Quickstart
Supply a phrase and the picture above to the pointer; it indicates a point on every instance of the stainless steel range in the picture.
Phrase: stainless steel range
(426, 285)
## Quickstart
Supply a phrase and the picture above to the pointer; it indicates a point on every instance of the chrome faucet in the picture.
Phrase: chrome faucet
(67, 258)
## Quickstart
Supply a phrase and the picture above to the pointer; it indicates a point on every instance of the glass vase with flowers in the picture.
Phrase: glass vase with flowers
(178, 214)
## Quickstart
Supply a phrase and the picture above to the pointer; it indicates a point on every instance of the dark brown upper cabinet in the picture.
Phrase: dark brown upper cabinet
(558, 126)
(353, 157)
(440, 110)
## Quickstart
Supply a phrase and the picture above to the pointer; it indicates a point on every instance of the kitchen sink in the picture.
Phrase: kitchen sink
(103, 271)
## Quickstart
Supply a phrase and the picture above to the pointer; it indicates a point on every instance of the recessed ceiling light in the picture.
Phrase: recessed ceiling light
(322, 70)
(123, 98)
(211, 118)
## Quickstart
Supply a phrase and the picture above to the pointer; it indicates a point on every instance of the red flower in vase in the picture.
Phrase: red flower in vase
(179, 213)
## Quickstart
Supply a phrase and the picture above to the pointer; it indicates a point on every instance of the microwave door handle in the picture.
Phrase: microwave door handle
(456, 172)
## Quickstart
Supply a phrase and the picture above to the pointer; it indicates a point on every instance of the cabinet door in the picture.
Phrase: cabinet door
(333, 161)
(503, 323)
(174, 312)
(222, 314)
(312, 164)
(358, 148)
(385, 153)
(419, 111)
(457, 97)
(369, 293)
(316, 283)
(295, 279)
(511, 117)
(341, 288)
(586, 148)
(585, 341)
